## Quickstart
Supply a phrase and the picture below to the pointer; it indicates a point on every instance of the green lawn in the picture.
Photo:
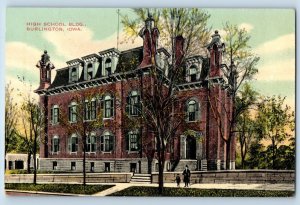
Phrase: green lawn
(59, 188)
(153, 191)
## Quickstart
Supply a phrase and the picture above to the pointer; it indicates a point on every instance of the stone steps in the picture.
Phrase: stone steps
(141, 178)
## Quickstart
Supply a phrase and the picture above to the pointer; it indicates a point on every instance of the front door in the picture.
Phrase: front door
(190, 147)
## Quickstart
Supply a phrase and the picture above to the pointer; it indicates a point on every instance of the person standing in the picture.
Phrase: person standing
(178, 180)
(186, 176)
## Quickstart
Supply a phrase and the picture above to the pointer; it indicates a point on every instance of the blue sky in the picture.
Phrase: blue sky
(272, 31)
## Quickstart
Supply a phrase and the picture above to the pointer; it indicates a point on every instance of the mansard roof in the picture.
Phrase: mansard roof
(128, 61)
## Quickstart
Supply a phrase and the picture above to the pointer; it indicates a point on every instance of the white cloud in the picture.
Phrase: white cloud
(279, 44)
(278, 70)
(75, 44)
(248, 27)
(23, 56)
(21, 89)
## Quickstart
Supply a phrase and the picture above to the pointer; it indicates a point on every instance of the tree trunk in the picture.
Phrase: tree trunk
(228, 143)
(28, 162)
(34, 159)
(273, 154)
(84, 159)
(161, 176)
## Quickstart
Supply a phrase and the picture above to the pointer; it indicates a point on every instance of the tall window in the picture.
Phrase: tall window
(108, 67)
(108, 107)
(91, 144)
(55, 114)
(73, 112)
(193, 74)
(55, 144)
(90, 109)
(73, 143)
(133, 106)
(133, 143)
(74, 74)
(192, 111)
(107, 142)
(89, 71)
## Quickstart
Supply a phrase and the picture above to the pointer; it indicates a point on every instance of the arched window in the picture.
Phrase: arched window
(192, 111)
(90, 71)
(73, 112)
(193, 73)
(55, 114)
(133, 141)
(73, 143)
(74, 75)
(133, 106)
(55, 144)
(108, 106)
(90, 109)
(108, 67)
(107, 142)
(91, 143)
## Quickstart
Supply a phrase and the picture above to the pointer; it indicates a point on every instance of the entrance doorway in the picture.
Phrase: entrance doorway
(133, 167)
(190, 147)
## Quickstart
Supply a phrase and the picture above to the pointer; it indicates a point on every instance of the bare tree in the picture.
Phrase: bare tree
(242, 67)
(31, 120)
(83, 118)
(11, 111)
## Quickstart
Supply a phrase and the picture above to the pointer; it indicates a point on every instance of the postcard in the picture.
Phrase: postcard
(150, 102)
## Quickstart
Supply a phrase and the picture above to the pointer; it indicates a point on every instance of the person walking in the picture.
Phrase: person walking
(186, 176)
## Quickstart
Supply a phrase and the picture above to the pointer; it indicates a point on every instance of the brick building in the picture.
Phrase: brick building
(116, 76)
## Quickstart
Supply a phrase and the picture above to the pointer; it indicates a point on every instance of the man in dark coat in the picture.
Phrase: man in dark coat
(186, 176)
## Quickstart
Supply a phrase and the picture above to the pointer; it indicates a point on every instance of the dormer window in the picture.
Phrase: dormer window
(90, 71)
(108, 67)
(193, 74)
(73, 75)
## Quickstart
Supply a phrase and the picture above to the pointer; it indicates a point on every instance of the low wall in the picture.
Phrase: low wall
(233, 177)
(70, 178)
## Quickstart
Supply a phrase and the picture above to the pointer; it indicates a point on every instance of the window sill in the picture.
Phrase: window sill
(55, 153)
(54, 124)
(133, 152)
(106, 152)
(191, 121)
(73, 153)
(108, 118)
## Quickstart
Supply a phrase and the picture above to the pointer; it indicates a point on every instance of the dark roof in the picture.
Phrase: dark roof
(128, 60)
(61, 78)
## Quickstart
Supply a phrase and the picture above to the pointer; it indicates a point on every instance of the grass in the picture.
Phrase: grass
(59, 188)
(153, 191)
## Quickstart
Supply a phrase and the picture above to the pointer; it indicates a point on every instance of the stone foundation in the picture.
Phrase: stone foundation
(137, 165)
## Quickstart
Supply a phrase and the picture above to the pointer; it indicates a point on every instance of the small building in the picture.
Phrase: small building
(18, 161)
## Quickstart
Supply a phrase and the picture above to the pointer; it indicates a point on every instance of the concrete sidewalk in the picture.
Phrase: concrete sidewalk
(279, 187)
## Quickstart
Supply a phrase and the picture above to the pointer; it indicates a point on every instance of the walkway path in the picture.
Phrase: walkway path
(282, 187)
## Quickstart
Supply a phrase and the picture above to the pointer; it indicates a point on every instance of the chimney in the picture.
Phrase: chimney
(45, 67)
(216, 49)
(179, 52)
(150, 35)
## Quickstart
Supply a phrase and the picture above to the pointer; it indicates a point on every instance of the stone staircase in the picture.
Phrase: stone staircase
(192, 164)
(141, 178)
